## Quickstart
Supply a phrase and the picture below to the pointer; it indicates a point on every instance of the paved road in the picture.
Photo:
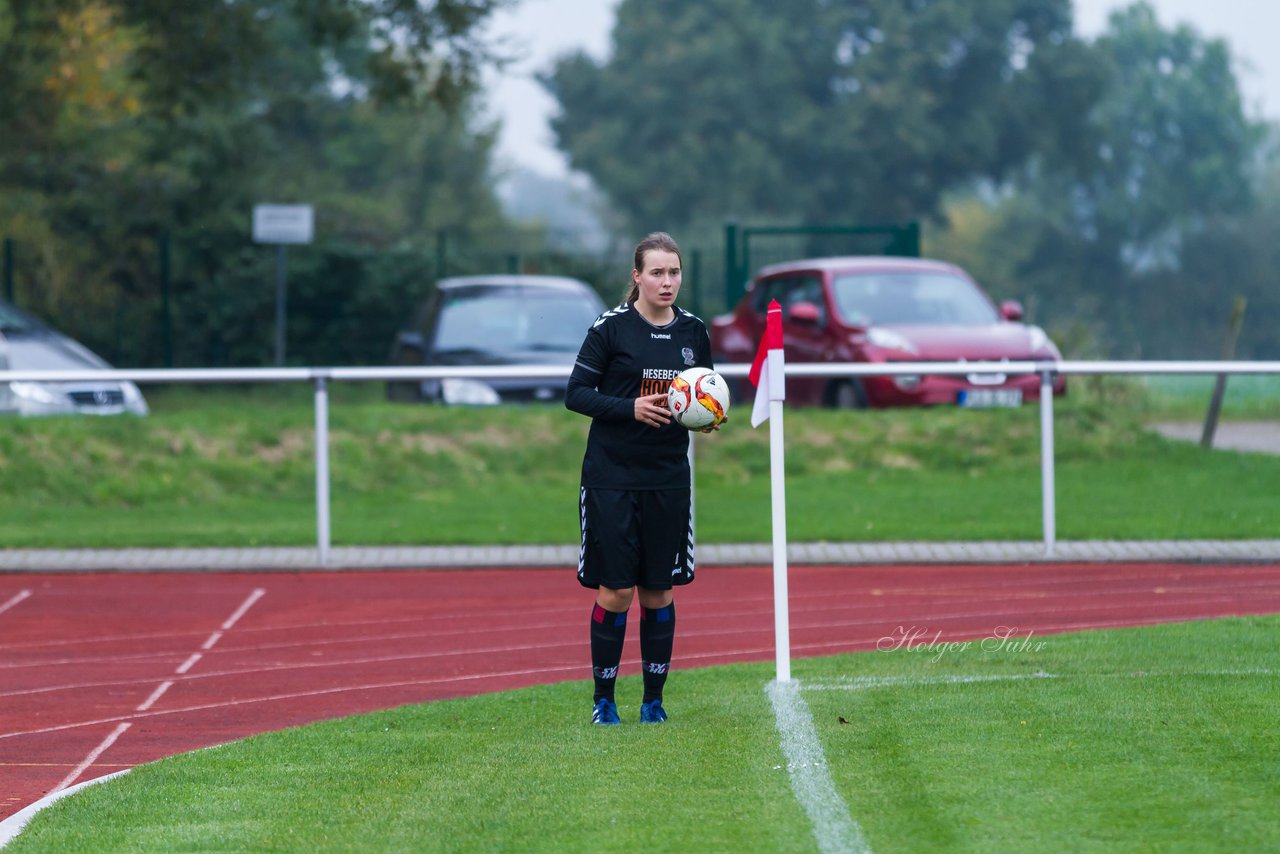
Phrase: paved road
(1257, 436)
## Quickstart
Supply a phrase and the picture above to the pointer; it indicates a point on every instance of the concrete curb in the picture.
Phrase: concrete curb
(300, 559)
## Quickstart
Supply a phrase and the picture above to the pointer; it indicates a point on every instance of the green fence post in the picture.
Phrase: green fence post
(8, 269)
(513, 263)
(695, 281)
(166, 315)
(912, 239)
(730, 262)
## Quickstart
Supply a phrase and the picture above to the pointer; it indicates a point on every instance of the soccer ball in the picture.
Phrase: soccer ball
(698, 398)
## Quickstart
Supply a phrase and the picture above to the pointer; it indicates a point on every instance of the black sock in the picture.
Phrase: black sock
(657, 635)
(608, 630)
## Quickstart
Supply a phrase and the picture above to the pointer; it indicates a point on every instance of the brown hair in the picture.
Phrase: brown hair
(658, 240)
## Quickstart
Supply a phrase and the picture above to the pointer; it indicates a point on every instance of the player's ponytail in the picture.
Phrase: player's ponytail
(658, 240)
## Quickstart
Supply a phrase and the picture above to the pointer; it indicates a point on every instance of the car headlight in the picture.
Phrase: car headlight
(41, 394)
(1037, 339)
(890, 340)
(468, 393)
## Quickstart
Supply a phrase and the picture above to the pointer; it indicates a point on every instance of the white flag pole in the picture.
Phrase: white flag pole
(778, 488)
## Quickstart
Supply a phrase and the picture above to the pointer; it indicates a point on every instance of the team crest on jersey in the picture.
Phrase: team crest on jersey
(688, 355)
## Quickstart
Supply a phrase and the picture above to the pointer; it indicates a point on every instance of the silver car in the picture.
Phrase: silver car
(495, 320)
(26, 344)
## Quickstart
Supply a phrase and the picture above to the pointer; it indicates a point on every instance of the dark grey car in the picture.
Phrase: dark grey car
(495, 320)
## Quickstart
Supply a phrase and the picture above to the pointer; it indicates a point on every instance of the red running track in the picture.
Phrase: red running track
(105, 671)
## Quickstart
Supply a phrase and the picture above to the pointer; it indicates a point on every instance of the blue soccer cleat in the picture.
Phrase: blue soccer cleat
(605, 712)
(652, 712)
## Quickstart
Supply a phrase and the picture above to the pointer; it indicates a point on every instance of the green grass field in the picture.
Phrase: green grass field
(235, 467)
(1152, 739)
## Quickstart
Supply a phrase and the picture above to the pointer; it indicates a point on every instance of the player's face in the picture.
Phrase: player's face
(659, 281)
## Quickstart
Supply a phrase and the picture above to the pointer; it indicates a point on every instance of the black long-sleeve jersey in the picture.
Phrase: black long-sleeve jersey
(624, 357)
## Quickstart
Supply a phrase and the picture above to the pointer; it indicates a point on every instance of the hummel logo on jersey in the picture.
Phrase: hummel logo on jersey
(666, 336)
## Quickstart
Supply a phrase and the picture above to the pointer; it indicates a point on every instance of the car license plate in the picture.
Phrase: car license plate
(989, 397)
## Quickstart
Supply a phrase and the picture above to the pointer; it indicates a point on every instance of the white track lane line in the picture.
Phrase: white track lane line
(15, 599)
(799, 621)
(92, 757)
(189, 663)
(833, 828)
(245, 606)
(566, 670)
(155, 695)
(845, 644)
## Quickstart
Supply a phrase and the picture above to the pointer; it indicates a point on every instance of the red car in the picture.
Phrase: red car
(874, 309)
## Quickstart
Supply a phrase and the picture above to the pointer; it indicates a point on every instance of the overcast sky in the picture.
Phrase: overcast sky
(544, 29)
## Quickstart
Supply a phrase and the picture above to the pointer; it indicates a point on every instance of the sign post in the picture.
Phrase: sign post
(282, 225)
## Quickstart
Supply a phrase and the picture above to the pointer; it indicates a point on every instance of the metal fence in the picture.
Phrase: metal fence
(320, 378)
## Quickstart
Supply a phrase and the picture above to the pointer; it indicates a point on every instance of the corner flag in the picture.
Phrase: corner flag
(767, 370)
(768, 375)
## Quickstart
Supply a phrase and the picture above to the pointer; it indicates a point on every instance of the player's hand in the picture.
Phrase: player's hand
(652, 410)
(715, 427)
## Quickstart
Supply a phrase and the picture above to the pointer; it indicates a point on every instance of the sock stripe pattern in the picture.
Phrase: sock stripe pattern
(608, 631)
(657, 638)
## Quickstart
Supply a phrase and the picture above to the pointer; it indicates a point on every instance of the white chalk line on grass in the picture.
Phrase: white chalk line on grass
(13, 825)
(863, 683)
(833, 828)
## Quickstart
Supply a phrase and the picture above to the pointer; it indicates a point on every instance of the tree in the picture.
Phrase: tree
(140, 119)
(809, 110)
(1100, 241)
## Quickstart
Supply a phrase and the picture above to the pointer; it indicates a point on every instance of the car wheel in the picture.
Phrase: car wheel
(846, 394)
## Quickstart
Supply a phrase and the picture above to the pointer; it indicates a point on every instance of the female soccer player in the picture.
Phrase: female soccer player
(634, 504)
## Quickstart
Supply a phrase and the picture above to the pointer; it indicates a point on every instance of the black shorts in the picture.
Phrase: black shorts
(630, 538)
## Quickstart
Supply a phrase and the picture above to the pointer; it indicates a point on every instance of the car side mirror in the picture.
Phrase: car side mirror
(805, 312)
(1011, 310)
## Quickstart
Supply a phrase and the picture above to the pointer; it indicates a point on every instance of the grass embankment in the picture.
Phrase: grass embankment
(1159, 738)
(221, 467)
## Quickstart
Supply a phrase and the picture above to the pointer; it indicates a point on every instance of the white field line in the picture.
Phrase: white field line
(798, 623)
(1212, 579)
(92, 757)
(565, 669)
(742, 652)
(13, 825)
(14, 600)
(150, 701)
(833, 828)
(864, 683)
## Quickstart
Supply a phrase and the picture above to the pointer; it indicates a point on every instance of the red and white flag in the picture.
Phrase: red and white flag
(767, 370)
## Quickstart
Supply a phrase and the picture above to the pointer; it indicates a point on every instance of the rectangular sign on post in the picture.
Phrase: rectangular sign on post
(283, 223)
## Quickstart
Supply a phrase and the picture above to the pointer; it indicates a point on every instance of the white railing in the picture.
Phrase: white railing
(320, 378)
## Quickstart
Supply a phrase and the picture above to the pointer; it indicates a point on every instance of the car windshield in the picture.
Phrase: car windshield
(512, 321)
(907, 298)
